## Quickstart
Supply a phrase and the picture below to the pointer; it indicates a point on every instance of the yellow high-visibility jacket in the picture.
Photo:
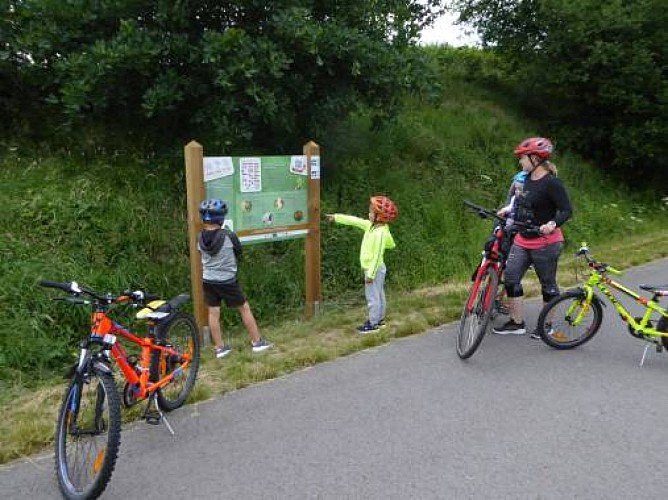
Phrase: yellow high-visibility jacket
(377, 239)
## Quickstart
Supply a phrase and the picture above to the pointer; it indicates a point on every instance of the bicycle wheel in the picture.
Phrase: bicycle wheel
(556, 321)
(180, 333)
(88, 435)
(474, 320)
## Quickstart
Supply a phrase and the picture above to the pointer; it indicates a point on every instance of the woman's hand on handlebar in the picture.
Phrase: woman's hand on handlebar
(548, 227)
(503, 212)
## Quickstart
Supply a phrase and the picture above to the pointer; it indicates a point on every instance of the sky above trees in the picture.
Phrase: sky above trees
(445, 30)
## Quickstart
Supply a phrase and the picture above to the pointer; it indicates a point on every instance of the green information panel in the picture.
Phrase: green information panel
(262, 192)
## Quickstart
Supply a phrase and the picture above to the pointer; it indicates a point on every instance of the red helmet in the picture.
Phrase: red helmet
(539, 146)
(384, 208)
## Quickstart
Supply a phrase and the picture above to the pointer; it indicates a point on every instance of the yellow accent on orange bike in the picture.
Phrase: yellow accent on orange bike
(151, 307)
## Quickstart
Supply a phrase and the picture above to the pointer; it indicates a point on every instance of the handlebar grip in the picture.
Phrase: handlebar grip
(471, 205)
(54, 284)
(482, 211)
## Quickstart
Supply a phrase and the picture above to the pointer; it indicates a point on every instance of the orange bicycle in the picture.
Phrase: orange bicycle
(88, 432)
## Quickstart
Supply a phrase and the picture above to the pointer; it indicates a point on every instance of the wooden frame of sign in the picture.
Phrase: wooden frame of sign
(195, 190)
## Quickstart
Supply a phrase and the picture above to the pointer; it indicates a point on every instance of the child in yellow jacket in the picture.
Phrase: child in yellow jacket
(377, 239)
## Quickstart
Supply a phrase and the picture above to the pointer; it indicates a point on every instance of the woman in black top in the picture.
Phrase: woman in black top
(543, 202)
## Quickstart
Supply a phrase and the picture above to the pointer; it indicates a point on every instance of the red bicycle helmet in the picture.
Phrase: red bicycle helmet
(539, 146)
(384, 208)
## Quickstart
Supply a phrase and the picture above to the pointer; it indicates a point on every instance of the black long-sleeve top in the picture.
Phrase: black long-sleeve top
(544, 200)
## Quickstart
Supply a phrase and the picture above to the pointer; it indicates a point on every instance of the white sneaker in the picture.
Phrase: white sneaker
(261, 345)
(548, 331)
(223, 351)
(511, 328)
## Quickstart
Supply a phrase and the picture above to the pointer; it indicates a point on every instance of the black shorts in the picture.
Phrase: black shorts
(231, 293)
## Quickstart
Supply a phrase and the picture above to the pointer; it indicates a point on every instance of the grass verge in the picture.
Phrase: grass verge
(30, 415)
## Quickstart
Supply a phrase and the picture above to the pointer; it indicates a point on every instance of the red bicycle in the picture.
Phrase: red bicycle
(486, 294)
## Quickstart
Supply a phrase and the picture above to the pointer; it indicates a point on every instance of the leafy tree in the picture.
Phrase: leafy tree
(594, 69)
(231, 73)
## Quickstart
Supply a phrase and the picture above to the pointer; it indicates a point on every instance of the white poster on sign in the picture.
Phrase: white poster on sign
(216, 167)
(250, 170)
(315, 167)
(298, 165)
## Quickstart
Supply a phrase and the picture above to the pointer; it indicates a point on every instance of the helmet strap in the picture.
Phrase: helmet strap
(534, 164)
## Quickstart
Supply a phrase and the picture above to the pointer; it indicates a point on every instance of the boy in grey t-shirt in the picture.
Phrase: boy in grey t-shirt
(220, 248)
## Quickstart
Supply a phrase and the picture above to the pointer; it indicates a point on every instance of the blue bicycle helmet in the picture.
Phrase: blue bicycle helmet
(520, 177)
(213, 210)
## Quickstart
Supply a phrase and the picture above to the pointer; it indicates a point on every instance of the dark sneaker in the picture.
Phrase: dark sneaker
(511, 328)
(261, 345)
(367, 327)
(381, 324)
(223, 351)
(548, 331)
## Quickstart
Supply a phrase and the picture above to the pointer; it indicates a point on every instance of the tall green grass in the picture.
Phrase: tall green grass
(118, 221)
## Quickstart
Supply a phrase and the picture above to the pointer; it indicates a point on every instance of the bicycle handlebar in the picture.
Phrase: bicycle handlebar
(138, 297)
(601, 267)
(71, 287)
(484, 213)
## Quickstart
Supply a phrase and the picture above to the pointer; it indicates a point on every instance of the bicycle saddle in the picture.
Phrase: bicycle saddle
(159, 309)
(661, 290)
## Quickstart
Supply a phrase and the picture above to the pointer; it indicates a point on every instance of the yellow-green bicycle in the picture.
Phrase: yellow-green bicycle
(574, 317)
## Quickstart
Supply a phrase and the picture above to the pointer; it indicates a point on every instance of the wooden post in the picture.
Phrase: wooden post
(194, 155)
(312, 263)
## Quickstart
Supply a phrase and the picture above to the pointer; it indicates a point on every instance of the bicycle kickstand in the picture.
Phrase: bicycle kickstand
(155, 415)
(659, 348)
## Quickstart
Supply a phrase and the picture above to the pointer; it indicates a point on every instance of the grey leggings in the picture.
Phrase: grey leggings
(544, 261)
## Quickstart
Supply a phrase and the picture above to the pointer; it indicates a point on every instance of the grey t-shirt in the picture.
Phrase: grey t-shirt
(219, 261)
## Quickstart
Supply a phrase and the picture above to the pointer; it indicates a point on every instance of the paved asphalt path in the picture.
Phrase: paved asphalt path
(411, 420)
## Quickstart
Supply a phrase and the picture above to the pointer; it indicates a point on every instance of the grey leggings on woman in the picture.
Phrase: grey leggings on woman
(544, 261)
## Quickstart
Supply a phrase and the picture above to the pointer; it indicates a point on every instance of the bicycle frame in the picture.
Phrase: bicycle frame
(598, 281)
(487, 262)
(103, 327)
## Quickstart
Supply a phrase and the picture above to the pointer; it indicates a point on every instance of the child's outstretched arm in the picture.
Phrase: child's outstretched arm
(349, 220)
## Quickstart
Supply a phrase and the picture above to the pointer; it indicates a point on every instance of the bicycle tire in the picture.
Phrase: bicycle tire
(180, 332)
(473, 323)
(562, 334)
(89, 429)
